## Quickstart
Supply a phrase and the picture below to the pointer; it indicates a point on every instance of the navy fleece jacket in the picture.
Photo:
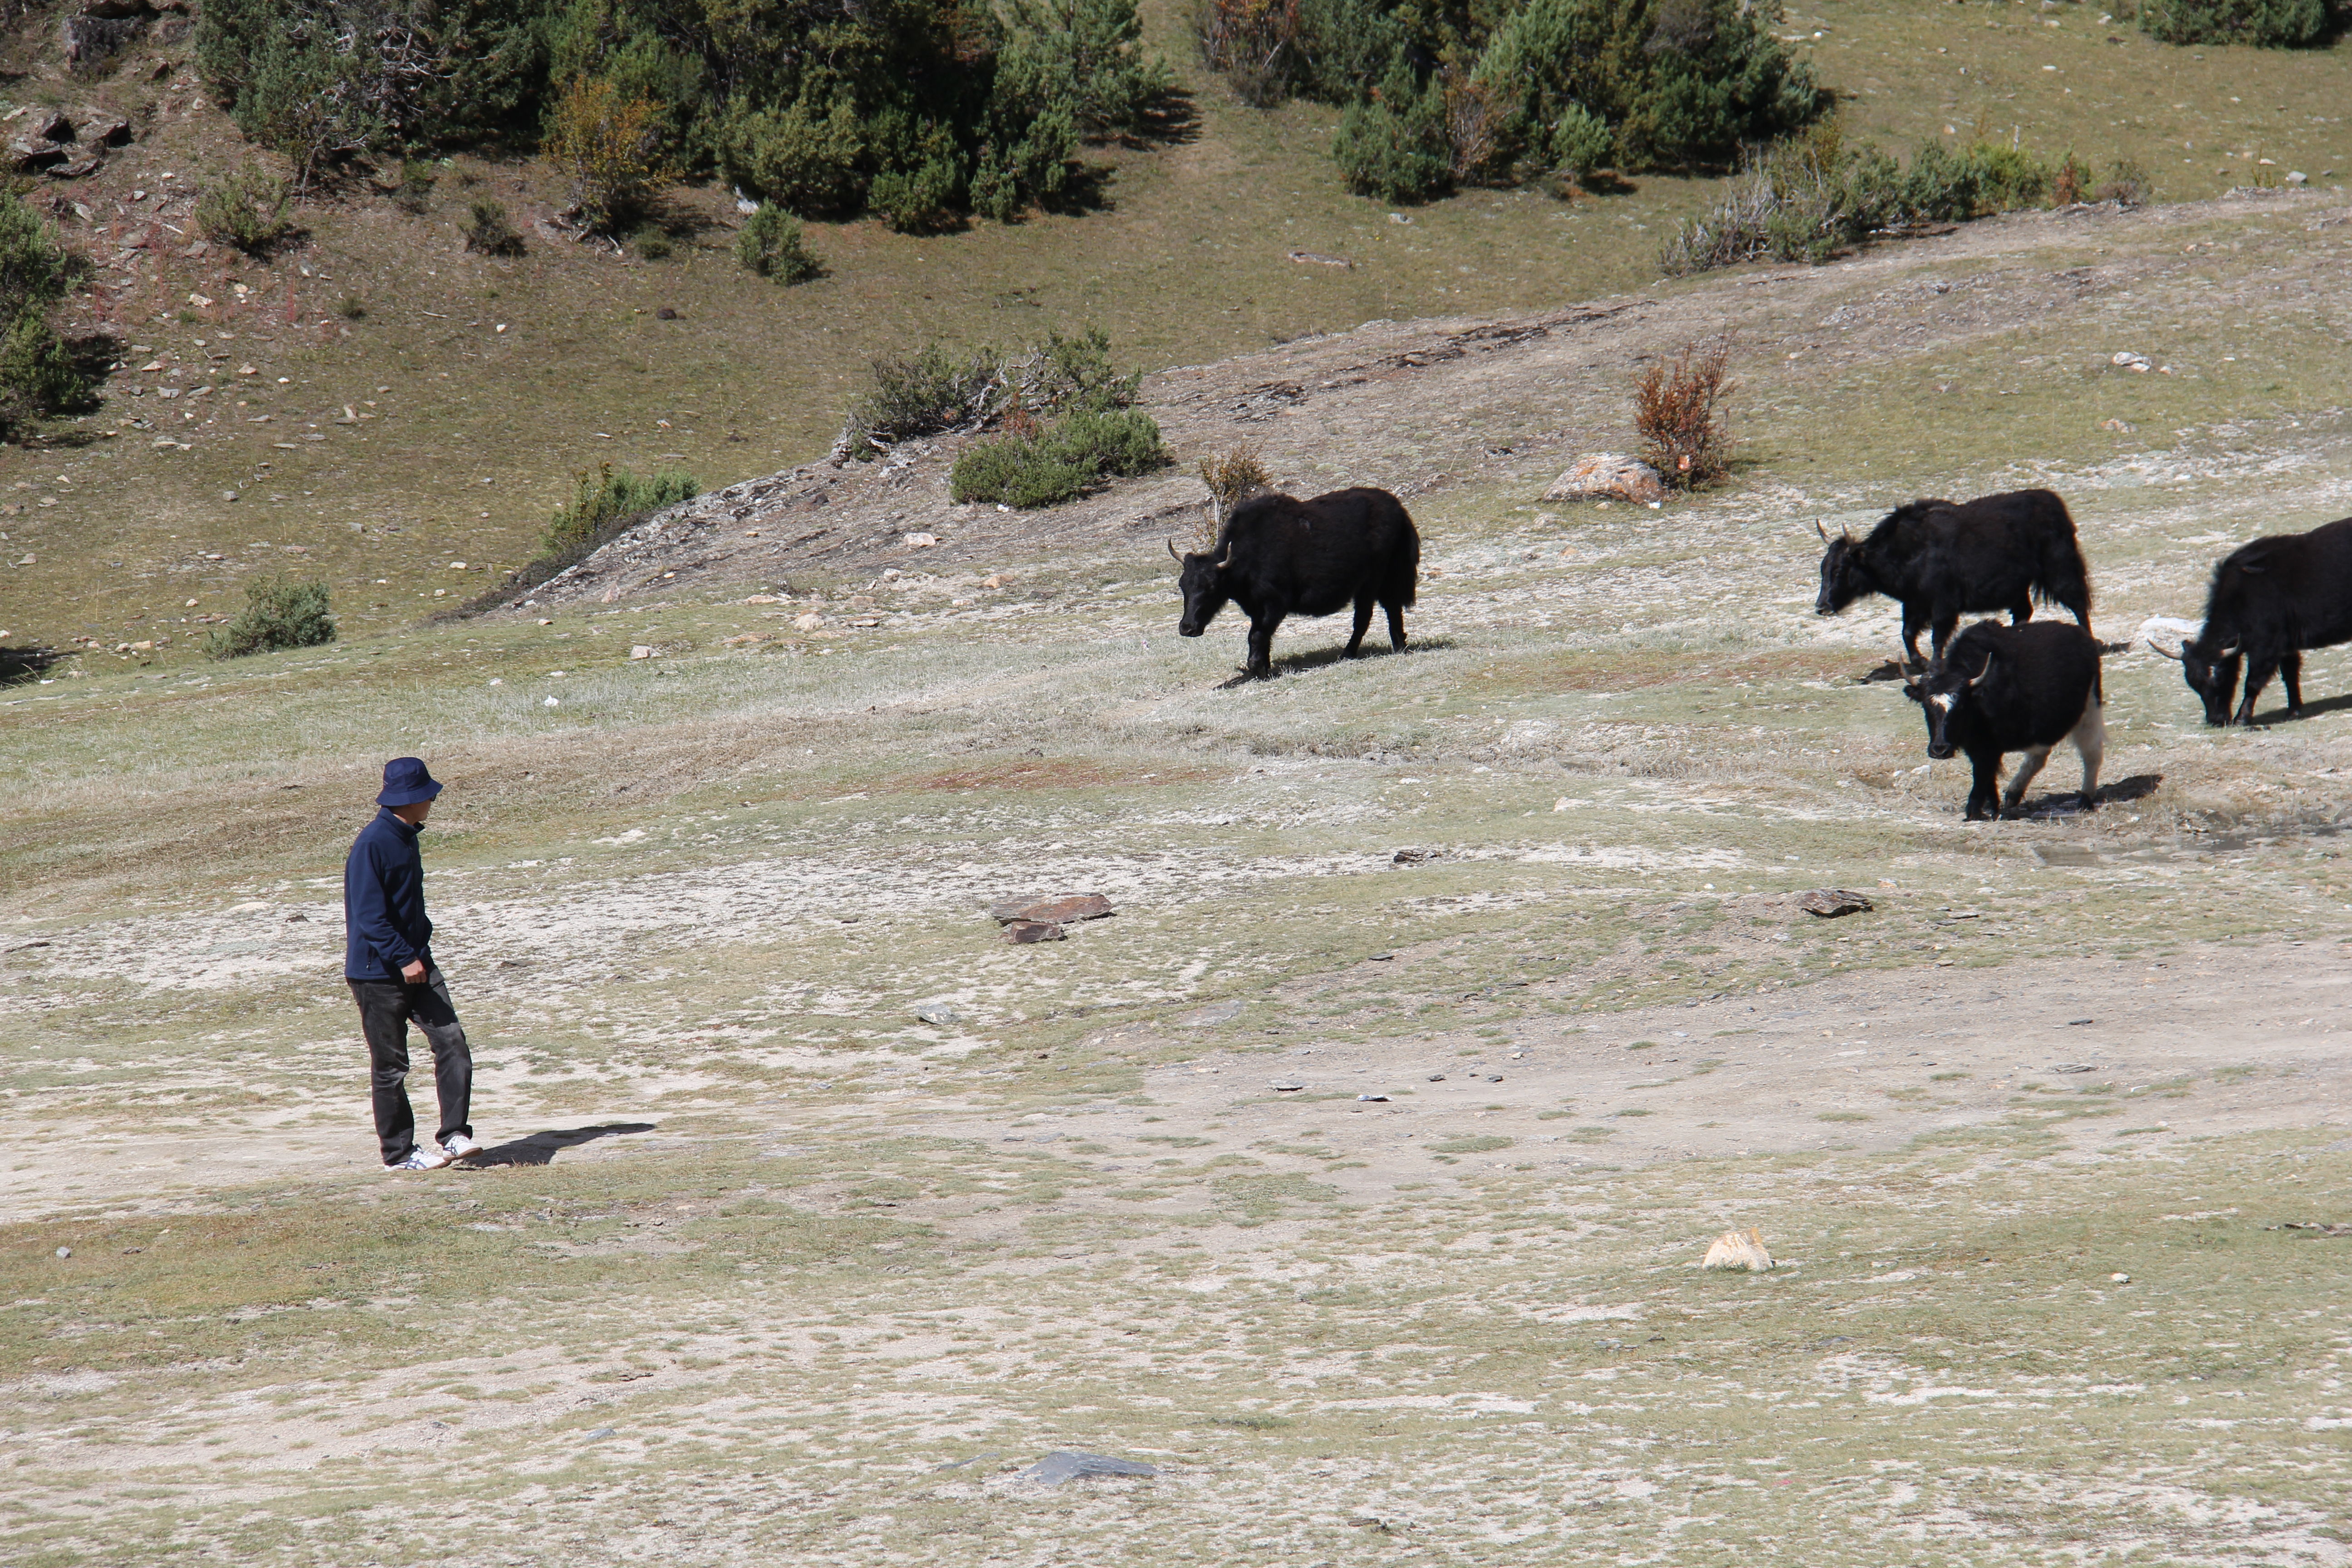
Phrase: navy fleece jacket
(384, 928)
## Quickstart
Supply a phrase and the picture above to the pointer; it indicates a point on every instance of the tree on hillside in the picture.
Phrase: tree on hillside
(916, 109)
(38, 375)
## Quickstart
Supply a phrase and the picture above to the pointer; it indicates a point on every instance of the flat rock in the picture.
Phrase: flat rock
(1608, 476)
(1069, 1465)
(1034, 930)
(1740, 1249)
(1830, 902)
(1059, 911)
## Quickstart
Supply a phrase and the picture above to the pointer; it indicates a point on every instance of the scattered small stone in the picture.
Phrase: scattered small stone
(1413, 857)
(940, 1015)
(922, 541)
(599, 1434)
(2318, 1226)
(1062, 910)
(665, 313)
(2126, 360)
(639, 650)
(1494, 1078)
(2115, 425)
(1285, 1085)
(2120, 1278)
(1740, 1249)
(1020, 931)
(1317, 259)
(1438, 1078)
(808, 622)
(1830, 902)
(1607, 476)
(2078, 1023)
(65, 1252)
(1066, 1464)
(2071, 1067)
(1373, 1098)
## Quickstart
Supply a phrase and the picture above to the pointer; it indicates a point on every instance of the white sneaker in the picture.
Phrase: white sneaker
(458, 1146)
(422, 1157)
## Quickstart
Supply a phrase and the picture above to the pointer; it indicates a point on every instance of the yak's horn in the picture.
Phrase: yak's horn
(1820, 530)
(1171, 550)
(1983, 673)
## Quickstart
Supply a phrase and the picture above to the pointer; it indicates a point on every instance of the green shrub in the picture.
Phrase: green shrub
(1393, 145)
(247, 210)
(279, 613)
(1806, 197)
(491, 232)
(653, 245)
(1580, 142)
(1059, 462)
(1073, 374)
(934, 391)
(771, 245)
(1085, 57)
(603, 497)
(2269, 24)
(415, 191)
(38, 375)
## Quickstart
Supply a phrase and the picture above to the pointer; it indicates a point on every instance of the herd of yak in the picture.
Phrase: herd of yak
(1991, 691)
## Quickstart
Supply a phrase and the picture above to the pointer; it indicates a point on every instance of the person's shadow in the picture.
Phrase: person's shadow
(541, 1147)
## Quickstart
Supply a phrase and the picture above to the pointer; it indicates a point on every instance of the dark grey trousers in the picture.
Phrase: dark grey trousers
(386, 1009)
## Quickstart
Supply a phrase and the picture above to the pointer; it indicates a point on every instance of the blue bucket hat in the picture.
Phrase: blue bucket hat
(405, 783)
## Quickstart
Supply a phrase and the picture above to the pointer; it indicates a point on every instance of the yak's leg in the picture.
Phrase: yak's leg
(2259, 670)
(2090, 738)
(1984, 788)
(1396, 623)
(1261, 645)
(1943, 629)
(1914, 621)
(2291, 672)
(2034, 757)
(1363, 622)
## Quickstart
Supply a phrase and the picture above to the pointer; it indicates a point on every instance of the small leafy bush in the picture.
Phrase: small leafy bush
(771, 245)
(491, 232)
(653, 245)
(1232, 476)
(604, 496)
(1059, 462)
(279, 613)
(415, 191)
(247, 210)
(2268, 24)
(352, 308)
(615, 146)
(2127, 185)
(1677, 410)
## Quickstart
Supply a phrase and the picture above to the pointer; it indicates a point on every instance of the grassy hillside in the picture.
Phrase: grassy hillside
(389, 427)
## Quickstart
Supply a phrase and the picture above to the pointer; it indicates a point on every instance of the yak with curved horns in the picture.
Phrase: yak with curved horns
(2272, 598)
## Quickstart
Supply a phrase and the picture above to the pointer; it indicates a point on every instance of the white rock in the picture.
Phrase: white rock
(550, 702)
(1607, 476)
(640, 650)
(808, 622)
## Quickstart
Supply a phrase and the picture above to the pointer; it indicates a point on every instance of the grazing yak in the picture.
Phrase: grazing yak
(1947, 559)
(2014, 688)
(1278, 556)
(2270, 599)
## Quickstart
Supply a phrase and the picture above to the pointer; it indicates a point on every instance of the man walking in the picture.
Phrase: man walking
(389, 966)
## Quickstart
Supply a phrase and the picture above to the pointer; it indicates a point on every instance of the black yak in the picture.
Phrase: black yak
(1278, 556)
(2014, 688)
(1947, 559)
(2270, 599)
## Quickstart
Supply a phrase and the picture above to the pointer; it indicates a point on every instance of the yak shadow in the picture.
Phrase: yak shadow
(1317, 659)
(2069, 802)
(541, 1147)
(2310, 710)
(19, 665)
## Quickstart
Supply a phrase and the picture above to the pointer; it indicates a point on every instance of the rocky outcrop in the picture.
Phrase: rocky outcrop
(67, 144)
(1607, 476)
